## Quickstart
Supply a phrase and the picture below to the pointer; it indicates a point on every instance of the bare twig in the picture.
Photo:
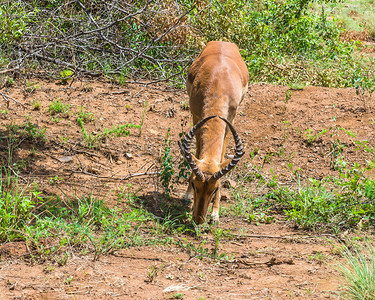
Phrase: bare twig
(6, 97)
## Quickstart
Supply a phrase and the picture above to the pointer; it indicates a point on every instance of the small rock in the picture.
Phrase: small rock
(128, 155)
(65, 159)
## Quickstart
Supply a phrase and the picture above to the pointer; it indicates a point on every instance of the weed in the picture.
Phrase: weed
(64, 140)
(167, 169)
(68, 280)
(19, 133)
(152, 272)
(84, 115)
(55, 180)
(94, 140)
(176, 296)
(63, 260)
(65, 76)
(310, 137)
(185, 105)
(9, 82)
(288, 95)
(318, 256)
(31, 87)
(58, 107)
(36, 104)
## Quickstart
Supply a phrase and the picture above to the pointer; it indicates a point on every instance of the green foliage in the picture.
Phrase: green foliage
(359, 273)
(292, 42)
(18, 207)
(19, 133)
(13, 22)
(332, 204)
(283, 42)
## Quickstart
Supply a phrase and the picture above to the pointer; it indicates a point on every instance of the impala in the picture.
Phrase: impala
(217, 82)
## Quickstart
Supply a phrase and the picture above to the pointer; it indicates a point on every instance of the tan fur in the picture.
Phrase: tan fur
(217, 82)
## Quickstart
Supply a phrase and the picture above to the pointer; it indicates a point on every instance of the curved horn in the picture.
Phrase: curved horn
(185, 148)
(239, 153)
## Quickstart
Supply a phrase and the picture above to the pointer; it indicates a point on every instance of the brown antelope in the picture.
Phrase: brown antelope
(217, 82)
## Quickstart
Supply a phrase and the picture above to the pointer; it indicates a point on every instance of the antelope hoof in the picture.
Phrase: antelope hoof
(215, 217)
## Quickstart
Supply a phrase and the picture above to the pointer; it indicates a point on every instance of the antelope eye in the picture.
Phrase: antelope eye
(215, 191)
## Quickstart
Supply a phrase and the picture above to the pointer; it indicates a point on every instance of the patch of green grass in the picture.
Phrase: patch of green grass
(355, 15)
(94, 140)
(19, 133)
(359, 273)
(331, 204)
(18, 207)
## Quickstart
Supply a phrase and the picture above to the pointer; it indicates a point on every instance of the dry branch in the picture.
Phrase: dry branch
(106, 37)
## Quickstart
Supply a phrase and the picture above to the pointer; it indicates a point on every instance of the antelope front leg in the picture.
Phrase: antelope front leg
(189, 193)
(216, 207)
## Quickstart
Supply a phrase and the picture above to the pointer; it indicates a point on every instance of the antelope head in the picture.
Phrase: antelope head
(205, 179)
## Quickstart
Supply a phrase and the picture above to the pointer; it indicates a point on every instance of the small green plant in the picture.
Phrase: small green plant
(152, 272)
(288, 95)
(310, 137)
(318, 256)
(167, 169)
(9, 82)
(61, 261)
(84, 115)
(68, 280)
(58, 107)
(65, 76)
(176, 296)
(36, 104)
(185, 105)
(55, 180)
(31, 87)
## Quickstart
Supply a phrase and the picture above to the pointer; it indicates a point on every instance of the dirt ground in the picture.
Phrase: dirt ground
(279, 128)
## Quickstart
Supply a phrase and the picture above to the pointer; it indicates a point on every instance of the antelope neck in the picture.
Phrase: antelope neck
(212, 141)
